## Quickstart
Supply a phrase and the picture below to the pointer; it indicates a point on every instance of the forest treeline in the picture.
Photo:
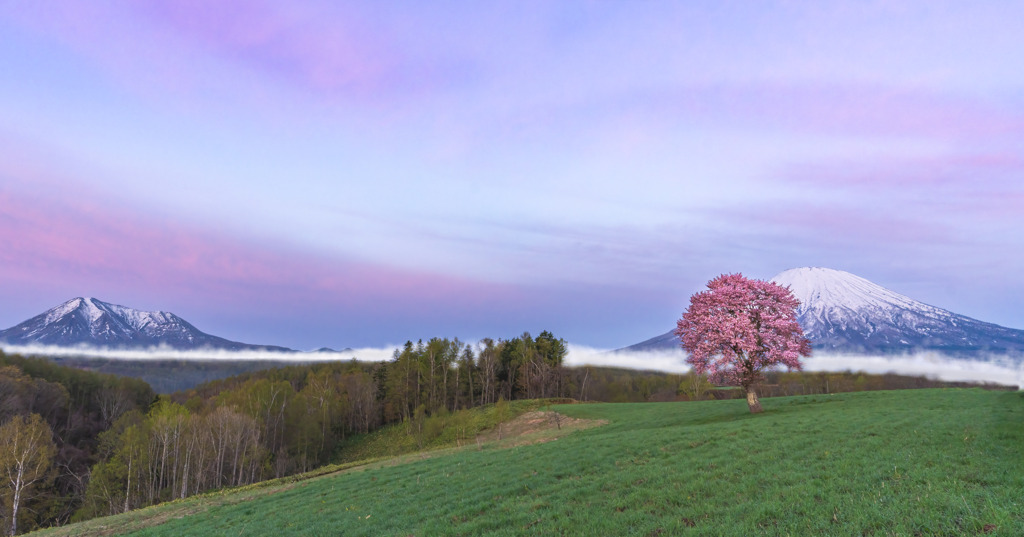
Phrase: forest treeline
(99, 444)
(50, 421)
(115, 446)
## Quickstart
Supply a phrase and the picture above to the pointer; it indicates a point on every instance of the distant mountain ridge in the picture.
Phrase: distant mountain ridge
(94, 323)
(843, 312)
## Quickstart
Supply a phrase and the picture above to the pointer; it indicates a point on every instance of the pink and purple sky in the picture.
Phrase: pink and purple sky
(316, 174)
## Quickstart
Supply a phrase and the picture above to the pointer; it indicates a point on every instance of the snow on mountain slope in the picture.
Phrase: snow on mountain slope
(843, 312)
(817, 288)
(92, 322)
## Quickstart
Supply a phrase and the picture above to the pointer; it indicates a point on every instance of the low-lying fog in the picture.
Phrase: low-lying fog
(993, 368)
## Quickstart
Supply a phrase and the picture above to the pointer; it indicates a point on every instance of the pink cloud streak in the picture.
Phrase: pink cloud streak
(960, 193)
(841, 227)
(979, 171)
(48, 238)
(837, 108)
(324, 50)
(185, 46)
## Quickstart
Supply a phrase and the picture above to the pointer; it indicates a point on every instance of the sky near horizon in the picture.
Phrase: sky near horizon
(343, 174)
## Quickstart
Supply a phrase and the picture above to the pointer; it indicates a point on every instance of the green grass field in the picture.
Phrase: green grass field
(914, 462)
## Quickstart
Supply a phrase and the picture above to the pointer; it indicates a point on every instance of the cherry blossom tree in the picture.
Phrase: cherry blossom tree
(739, 327)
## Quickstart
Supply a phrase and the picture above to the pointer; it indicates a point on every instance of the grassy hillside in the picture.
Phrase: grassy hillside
(439, 431)
(917, 462)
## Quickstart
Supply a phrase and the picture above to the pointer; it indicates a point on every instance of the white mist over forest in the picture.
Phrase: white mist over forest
(166, 353)
(998, 369)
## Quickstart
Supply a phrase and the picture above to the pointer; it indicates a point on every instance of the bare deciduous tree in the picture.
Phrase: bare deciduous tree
(26, 452)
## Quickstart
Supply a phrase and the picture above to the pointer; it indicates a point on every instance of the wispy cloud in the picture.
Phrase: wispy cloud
(623, 151)
(375, 354)
(324, 50)
(52, 238)
(63, 238)
(964, 170)
(996, 369)
(847, 110)
(867, 110)
(821, 226)
(669, 361)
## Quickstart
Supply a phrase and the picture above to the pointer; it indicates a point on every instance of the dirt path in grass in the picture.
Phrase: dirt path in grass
(535, 427)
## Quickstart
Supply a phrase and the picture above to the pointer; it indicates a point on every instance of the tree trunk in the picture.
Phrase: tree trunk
(18, 485)
(128, 489)
(752, 402)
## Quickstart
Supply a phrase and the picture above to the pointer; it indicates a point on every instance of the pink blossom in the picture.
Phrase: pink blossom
(739, 327)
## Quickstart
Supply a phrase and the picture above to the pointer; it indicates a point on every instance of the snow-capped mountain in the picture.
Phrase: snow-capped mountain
(94, 323)
(843, 312)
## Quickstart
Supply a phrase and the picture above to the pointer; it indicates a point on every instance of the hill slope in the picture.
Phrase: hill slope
(928, 462)
(843, 312)
(92, 322)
